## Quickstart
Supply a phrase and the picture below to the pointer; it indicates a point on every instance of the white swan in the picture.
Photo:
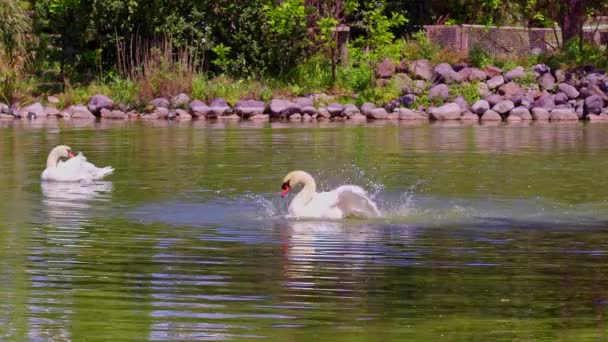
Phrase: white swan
(75, 169)
(347, 200)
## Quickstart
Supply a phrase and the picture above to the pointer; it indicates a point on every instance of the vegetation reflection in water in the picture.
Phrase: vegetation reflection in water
(489, 232)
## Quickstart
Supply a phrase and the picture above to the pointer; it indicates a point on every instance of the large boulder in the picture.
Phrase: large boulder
(515, 74)
(180, 101)
(408, 114)
(199, 108)
(112, 114)
(503, 107)
(444, 73)
(593, 104)
(98, 102)
(521, 112)
(495, 82)
(367, 107)
(468, 116)
(545, 101)
(450, 111)
(494, 99)
(560, 98)
(490, 115)
(248, 108)
(350, 110)
(541, 69)
(440, 91)
(335, 109)
(35, 110)
(462, 103)
(480, 107)
(511, 91)
(161, 102)
(541, 114)
(477, 75)
(492, 71)
(547, 81)
(283, 108)
(403, 82)
(563, 114)
(421, 68)
(569, 90)
(378, 113)
(219, 107)
(386, 69)
(81, 112)
(483, 90)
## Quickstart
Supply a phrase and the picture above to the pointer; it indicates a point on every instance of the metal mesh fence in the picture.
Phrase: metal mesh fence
(507, 40)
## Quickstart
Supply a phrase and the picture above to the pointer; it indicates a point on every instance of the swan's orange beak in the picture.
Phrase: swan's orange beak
(286, 187)
(71, 154)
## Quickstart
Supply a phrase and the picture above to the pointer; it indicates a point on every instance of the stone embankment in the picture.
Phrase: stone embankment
(512, 95)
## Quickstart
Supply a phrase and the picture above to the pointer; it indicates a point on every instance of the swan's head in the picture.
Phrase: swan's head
(63, 151)
(293, 179)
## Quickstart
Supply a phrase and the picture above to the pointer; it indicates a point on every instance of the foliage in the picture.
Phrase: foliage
(572, 55)
(14, 56)
(467, 90)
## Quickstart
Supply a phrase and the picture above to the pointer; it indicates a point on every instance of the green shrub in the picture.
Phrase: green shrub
(467, 90)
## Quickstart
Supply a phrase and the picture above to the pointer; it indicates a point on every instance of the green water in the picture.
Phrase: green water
(488, 233)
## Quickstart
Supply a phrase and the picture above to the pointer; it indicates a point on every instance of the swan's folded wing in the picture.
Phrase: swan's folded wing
(353, 201)
(68, 170)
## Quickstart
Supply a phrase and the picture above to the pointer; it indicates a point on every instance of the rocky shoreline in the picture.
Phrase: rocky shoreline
(502, 96)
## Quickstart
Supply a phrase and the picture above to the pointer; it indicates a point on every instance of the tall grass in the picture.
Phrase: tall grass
(14, 29)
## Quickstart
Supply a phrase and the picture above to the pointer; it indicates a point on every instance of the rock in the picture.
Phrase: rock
(580, 111)
(35, 108)
(418, 87)
(465, 73)
(403, 82)
(198, 108)
(284, 108)
(421, 69)
(495, 82)
(515, 74)
(386, 69)
(480, 107)
(560, 76)
(450, 111)
(310, 110)
(407, 100)
(304, 102)
(545, 101)
(229, 116)
(512, 118)
(335, 109)
(323, 113)
(440, 91)
(483, 90)
(161, 113)
(350, 110)
(378, 113)
(150, 116)
(561, 114)
(51, 111)
(503, 107)
(596, 90)
(52, 99)
(6, 116)
(593, 104)
(161, 102)
(569, 90)
(444, 73)
(494, 99)
(402, 66)
(547, 81)
(247, 108)
(477, 75)
(408, 114)
(112, 114)
(462, 103)
(219, 107)
(560, 98)
(584, 92)
(358, 117)
(4, 108)
(511, 91)
(521, 112)
(490, 115)
(597, 118)
(367, 107)
(541, 69)
(539, 113)
(99, 102)
(468, 116)
(492, 71)
(180, 101)
(295, 117)
(81, 112)
(182, 115)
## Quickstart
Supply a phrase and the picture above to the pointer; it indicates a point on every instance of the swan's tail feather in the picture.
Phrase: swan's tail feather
(353, 201)
(103, 172)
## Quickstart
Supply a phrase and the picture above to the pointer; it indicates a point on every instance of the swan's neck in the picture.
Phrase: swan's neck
(52, 160)
(307, 192)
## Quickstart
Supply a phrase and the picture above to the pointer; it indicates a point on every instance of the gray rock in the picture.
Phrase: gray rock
(465, 73)
(490, 115)
(580, 111)
(494, 99)
(161, 102)
(81, 112)
(35, 108)
(219, 107)
(440, 91)
(403, 82)
(367, 107)
(304, 102)
(444, 73)
(99, 102)
(480, 107)
(563, 114)
(560, 76)
(541, 69)
(350, 110)
(492, 71)
(560, 98)
(483, 90)
(515, 73)
(547, 81)
(180, 101)
(378, 113)
(503, 107)
(418, 87)
(521, 112)
(511, 91)
(182, 115)
(545, 101)
(450, 111)
(477, 75)
(51, 111)
(593, 104)
(161, 113)
(323, 113)
(596, 90)
(421, 69)
(495, 82)
(310, 110)
(462, 103)
(386, 69)
(247, 108)
(335, 109)
(358, 117)
(539, 113)
(468, 116)
(112, 114)
(569, 90)
(408, 114)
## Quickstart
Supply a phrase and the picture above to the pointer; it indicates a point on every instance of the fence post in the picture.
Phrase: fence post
(464, 40)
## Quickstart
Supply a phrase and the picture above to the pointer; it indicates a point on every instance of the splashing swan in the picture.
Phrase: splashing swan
(346, 200)
(75, 169)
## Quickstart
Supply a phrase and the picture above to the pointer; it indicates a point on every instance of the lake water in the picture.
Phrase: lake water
(488, 233)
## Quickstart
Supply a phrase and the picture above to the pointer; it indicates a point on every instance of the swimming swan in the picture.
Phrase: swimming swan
(75, 169)
(346, 200)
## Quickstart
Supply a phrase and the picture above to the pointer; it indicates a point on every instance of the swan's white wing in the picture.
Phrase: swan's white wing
(353, 201)
(76, 169)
